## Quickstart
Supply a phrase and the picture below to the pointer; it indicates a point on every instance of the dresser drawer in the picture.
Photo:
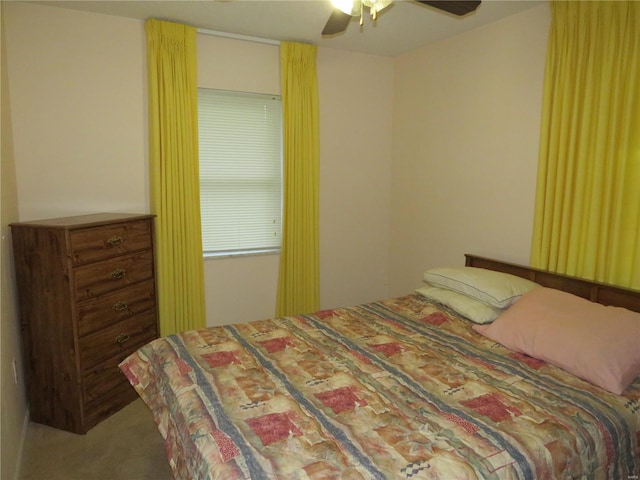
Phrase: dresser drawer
(87, 295)
(106, 276)
(114, 307)
(103, 378)
(99, 243)
(118, 340)
(107, 405)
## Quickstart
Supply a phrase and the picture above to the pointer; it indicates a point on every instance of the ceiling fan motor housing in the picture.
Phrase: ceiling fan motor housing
(344, 10)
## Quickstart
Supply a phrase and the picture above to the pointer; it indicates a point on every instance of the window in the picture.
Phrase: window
(240, 136)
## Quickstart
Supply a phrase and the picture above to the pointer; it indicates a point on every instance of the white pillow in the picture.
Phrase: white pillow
(474, 310)
(496, 289)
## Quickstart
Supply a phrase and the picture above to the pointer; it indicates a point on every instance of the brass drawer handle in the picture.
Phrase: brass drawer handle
(123, 337)
(118, 273)
(113, 241)
(119, 306)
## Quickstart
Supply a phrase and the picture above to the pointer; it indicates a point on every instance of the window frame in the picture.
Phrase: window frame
(266, 179)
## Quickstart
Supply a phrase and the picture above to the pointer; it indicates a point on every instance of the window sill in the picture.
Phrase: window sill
(237, 254)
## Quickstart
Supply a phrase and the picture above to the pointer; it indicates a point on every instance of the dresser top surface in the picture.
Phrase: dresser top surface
(83, 221)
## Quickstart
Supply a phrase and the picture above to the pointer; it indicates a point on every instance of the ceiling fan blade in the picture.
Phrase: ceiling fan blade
(337, 22)
(459, 8)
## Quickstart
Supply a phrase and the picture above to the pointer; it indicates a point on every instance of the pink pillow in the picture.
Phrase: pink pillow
(597, 343)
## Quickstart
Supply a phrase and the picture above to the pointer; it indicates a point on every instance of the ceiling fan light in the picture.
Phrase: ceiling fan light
(350, 7)
(377, 5)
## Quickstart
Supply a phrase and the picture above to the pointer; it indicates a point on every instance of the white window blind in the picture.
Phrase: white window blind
(240, 138)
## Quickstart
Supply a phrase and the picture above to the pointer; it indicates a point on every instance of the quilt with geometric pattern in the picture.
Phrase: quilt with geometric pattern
(398, 388)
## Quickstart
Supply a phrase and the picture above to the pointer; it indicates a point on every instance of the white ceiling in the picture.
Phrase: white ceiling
(402, 27)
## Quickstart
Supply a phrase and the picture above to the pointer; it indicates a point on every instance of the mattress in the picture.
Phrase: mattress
(399, 388)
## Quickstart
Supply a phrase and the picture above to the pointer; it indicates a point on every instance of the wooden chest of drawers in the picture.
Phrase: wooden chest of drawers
(87, 299)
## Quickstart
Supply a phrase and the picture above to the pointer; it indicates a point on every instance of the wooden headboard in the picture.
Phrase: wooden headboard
(594, 291)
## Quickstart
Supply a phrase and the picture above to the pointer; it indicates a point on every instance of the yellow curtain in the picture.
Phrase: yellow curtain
(587, 211)
(173, 171)
(298, 281)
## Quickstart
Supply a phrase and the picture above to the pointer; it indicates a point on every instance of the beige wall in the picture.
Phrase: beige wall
(79, 112)
(423, 157)
(13, 408)
(466, 131)
(356, 109)
(229, 64)
(354, 177)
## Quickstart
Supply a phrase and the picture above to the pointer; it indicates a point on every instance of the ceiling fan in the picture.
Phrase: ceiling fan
(345, 10)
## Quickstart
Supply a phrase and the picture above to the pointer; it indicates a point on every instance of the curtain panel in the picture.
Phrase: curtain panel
(174, 176)
(587, 211)
(298, 279)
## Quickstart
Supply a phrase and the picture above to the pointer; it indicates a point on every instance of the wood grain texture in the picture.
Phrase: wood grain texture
(87, 298)
(594, 291)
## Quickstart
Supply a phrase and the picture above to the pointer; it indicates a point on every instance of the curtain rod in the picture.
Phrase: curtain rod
(238, 36)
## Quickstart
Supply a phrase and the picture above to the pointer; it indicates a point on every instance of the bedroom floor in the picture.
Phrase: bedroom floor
(126, 446)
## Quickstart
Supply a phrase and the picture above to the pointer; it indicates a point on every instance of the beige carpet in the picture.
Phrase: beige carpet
(126, 446)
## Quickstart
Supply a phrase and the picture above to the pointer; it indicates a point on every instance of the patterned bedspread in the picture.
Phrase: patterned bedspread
(391, 389)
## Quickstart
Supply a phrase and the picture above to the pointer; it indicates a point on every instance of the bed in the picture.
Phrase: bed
(400, 388)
